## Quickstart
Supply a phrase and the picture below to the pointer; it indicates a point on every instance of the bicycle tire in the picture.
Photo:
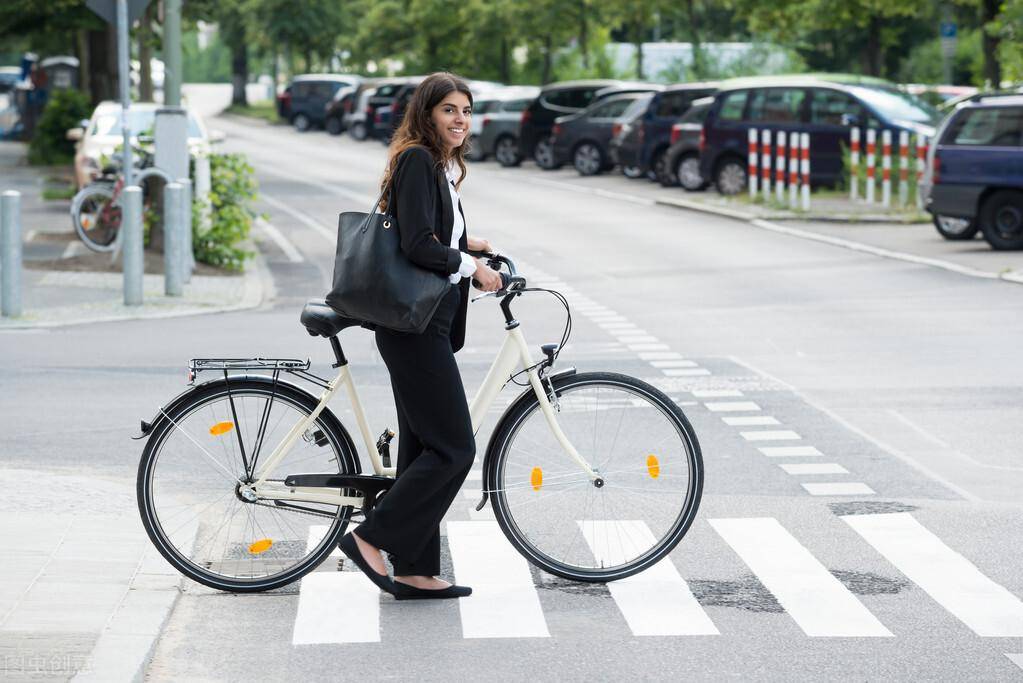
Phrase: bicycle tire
(333, 431)
(501, 445)
(88, 233)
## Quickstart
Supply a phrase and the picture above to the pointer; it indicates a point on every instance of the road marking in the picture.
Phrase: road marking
(949, 578)
(303, 218)
(673, 363)
(838, 488)
(685, 372)
(504, 602)
(648, 347)
(591, 190)
(751, 421)
(716, 393)
(636, 338)
(813, 468)
(771, 435)
(337, 607)
(660, 355)
(281, 241)
(789, 451)
(731, 406)
(816, 600)
(1016, 659)
(74, 248)
(655, 602)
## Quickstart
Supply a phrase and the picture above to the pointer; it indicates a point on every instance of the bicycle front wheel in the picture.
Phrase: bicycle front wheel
(193, 468)
(650, 471)
(97, 216)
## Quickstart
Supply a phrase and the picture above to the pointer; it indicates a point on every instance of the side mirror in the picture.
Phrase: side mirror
(83, 124)
(217, 136)
(74, 134)
(850, 120)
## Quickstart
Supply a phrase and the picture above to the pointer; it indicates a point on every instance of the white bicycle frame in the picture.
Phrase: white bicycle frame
(513, 352)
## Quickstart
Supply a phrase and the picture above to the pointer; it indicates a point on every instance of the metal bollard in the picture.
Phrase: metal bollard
(752, 168)
(765, 163)
(886, 168)
(854, 163)
(794, 171)
(187, 259)
(779, 166)
(903, 168)
(10, 259)
(131, 244)
(871, 152)
(173, 240)
(804, 149)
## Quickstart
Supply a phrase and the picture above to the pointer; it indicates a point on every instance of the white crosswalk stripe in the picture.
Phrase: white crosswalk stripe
(953, 581)
(816, 600)
(655, 602)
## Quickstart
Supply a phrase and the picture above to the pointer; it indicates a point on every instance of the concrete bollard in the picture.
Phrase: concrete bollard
(765, 163)
(921, 164)
(854, 162)
(903, 168)
(131, 244)
(779, 167)
(794, 171)
(804, 144)
(173, 240)
(187, 258)
(871, 152)
(886, 168)
(10, 253)
(751, 169)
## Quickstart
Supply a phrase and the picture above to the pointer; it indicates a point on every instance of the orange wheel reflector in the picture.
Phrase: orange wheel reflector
(536, 478)
(86, 223)
(260, 546)
(652, 466)
(221, 428)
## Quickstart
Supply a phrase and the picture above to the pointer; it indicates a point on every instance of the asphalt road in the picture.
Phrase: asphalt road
(904, 378)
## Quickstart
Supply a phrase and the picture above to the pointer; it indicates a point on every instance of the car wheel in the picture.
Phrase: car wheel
(543, 155)
(588, 159)
(506, 151)
(632, 172)
(1001, 220)
(952, 228)
(663, 173)
(730, 177)
(334, 126)
(358, 130)
(301, 122)
(687, 170)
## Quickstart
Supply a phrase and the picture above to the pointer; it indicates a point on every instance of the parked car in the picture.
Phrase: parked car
(397, 108)
(681, 161)
(554, 100)
(496, 119)
(644, 141)
(974, 176)
(384, 96)
(100, 136)
(336, 110)
(825, 106)
(583, 137)
(355, 121)
(303, 103)
(9, 77)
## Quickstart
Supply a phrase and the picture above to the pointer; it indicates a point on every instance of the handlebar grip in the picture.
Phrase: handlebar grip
(505, 280)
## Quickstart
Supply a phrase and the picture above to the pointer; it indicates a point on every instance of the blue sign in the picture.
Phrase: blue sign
(947, 29)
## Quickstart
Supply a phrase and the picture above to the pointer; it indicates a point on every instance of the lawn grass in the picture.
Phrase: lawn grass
(267, 111)
(55, 193)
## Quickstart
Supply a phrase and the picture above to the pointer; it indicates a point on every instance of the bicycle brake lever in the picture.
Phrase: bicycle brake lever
(482, 296)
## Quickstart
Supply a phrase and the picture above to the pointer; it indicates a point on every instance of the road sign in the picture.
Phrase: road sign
(107, 9)
(947, 29)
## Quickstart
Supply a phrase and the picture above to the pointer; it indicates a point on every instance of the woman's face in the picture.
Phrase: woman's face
(451, 118)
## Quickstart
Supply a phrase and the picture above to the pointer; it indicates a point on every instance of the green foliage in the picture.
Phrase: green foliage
(210, 65)
(1009, 27)
(924, 63)
(233, 187)
(64, 110)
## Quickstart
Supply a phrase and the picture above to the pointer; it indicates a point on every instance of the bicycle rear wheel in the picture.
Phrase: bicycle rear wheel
(97, 216)
(189, 479)
(645, 453)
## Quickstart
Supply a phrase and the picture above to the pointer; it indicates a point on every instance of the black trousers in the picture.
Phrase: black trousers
(436, 445)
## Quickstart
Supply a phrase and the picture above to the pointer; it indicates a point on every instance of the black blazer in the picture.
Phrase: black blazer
(422, 206)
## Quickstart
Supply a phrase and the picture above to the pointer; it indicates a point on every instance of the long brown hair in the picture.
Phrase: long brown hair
(417, 127)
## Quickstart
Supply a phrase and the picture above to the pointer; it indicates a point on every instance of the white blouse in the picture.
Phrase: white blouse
(468, 266)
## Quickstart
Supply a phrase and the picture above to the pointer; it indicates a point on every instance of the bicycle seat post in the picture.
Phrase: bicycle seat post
(338, 353)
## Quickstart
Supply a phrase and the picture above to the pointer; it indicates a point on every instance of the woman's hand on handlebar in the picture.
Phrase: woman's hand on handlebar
(479, 244)
(485, 278)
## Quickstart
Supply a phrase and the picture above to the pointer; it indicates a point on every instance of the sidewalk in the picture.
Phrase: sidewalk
(63, 283)
(84, 594)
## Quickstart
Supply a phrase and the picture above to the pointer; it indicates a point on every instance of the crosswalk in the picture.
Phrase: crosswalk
(344, 607)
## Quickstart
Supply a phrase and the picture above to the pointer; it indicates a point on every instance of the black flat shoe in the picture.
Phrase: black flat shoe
(403, 591)
(350, 548)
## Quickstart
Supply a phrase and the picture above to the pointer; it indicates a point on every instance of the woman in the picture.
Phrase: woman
(436, 444)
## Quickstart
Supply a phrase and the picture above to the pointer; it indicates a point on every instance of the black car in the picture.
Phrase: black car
(337, 110)
(974, 179)
(681, 161)
(384, 96)
(583, 137)
(641, 148)
(303, 103)
(555, 99)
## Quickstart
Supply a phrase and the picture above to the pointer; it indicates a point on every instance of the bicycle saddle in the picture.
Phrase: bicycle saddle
(320, 320)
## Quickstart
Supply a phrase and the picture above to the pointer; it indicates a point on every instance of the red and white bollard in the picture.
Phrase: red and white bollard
(886, 168)
(794, 171)
(903, 168)
(854, 162)
(871, 153)
(779, 167)
(765, 163)
(751, 168)
(804, 143)
(921, 164)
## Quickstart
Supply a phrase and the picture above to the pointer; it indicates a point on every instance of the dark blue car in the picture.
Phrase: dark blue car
(974, 180)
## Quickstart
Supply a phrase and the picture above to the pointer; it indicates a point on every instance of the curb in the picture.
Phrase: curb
(826, 218)
(1009, 276)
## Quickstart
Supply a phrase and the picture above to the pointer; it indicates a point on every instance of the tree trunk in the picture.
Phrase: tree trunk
(639, 50)
(992, 67)
(505, 76)
(872, 54)
(584, 46)
(545, 75)
(82, 49)
(308, 61)
(699, 69)
(145, 33)
(239, 73)
(102, 74)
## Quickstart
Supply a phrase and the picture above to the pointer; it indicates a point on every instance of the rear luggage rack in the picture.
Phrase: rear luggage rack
(298, 368)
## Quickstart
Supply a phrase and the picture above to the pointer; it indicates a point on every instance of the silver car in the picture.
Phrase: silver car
(495, 124)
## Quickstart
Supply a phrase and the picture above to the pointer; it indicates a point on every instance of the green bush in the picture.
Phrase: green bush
(232, 188)
(65, 110)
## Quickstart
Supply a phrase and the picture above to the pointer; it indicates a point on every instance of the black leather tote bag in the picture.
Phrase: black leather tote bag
(375, 282)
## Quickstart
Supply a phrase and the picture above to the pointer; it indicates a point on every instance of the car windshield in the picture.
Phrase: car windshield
(139, 121)
(897, 105)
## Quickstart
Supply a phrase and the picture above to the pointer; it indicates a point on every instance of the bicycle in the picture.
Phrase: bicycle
(229, 516)
(96, 208)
